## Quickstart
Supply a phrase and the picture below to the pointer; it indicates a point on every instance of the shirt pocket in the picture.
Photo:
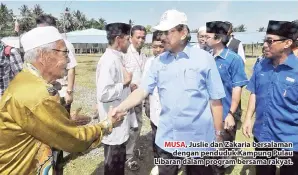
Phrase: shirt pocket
(190, 79)
(286, 92)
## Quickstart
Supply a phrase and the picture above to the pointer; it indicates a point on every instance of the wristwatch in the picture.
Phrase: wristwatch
(69, 92)
(107, 125)
(219, 133)
(230, 112)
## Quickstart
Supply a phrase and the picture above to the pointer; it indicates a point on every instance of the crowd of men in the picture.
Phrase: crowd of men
(189, 92)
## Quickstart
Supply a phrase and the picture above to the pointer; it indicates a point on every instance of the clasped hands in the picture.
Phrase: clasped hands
(116, 115)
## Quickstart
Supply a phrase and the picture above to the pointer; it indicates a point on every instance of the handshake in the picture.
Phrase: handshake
(115, 115)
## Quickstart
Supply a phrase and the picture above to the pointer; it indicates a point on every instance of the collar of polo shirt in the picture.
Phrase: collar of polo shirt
(184, 54)
(291, 61)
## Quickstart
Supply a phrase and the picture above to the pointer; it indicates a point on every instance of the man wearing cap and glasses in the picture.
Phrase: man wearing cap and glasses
(186, 90)
(113, 86)
(274, 96)
(231, 69)
(32, 120)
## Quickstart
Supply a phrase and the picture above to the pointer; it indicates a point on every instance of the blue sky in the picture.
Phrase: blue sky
(253, 14)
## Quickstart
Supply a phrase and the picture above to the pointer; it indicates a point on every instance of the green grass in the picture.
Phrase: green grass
(92, 162)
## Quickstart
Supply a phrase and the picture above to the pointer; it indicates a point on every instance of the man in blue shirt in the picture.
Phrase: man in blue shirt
(231, 69)
(186, 89)
(274, 95)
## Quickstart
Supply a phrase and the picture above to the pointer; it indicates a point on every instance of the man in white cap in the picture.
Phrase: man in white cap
(201, 36)
(190, 95)
(32, 121)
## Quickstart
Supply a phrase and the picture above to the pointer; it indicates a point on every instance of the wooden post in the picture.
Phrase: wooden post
(252, 49)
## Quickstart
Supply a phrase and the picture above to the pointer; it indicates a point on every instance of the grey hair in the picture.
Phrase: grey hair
(33, 54)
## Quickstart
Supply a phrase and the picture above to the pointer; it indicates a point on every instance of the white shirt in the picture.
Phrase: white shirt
(72, 63)
(197, 45)
(134, 62)
(155, 106)
(110, 92)
(240, 50)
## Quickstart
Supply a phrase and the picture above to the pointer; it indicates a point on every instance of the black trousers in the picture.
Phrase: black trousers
(66, 106)
(115, 156)
(59, 160)
(271, 169)
(173, 169)
(154, 146)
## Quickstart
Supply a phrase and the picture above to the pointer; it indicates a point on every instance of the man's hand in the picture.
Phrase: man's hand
(133, 87)
(68, 98)
(80, 119)
(115, 115)
(247, 128)
(127, 76)
(229, 122)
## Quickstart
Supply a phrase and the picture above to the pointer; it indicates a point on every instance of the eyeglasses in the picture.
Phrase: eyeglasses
(271, 41)
(64, 51)
(203, 36)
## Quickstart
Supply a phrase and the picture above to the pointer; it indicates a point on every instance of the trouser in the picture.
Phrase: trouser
(173, 169)
(154, 146)
(153, 127)
(228, 135)
(134, 133)
(59, 160)
(66, 106)
(147, 106)
(115, 156)
(271, 169)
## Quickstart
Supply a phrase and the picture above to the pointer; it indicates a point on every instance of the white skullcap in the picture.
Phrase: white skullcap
(171, 19)
(40, 36)
(203, 28)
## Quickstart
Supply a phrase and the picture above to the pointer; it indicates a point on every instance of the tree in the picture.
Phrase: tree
(66, 21)
(261, 29)
(27, 21)
(102, 24)
(130, 22)
(37, 10)
(79, 20)
(6, 21)
(240, 28)
(92, 23)
(194, 31)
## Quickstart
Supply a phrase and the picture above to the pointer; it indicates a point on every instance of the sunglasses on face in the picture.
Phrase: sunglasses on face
(271, 41)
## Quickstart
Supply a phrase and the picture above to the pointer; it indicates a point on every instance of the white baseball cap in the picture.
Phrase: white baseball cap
(171, 19)
(40, 36)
